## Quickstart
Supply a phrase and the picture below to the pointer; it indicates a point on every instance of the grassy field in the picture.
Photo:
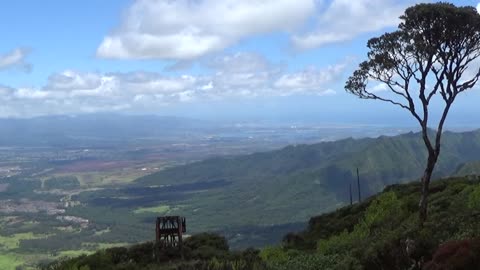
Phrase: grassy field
(73, 253)
(10, 261)
(12, 242)
(124, 175)
(9, 258)
(161, 209)
(118, 174)
(90, 248)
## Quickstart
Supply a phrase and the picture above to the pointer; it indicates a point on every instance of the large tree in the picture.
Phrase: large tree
(431, 54)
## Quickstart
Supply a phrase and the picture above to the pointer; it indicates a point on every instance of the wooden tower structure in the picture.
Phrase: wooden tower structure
(169, 231)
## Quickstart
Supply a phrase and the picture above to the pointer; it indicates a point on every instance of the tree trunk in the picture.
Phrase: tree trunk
(433, 154)
(427, 175)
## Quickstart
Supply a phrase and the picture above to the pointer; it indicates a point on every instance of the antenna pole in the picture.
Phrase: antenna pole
(351, 197)
(358, 184)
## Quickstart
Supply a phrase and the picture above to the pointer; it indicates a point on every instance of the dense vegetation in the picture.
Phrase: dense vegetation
(222, 195)
(382, 161)
(202, 251)
(287, 186)
(375, 234)
(380, 233)
(294, 183)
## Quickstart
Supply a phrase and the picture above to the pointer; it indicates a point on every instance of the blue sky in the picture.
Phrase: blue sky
(228, 59)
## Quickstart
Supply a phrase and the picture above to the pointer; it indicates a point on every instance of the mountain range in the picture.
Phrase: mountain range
(298, 181)
(255, 199)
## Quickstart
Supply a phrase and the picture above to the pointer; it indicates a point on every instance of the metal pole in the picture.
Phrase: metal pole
(351, 197)
(358, 184)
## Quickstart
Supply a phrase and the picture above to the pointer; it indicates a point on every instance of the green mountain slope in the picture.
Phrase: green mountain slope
(379, 233)
(306, 179)
(243, 196)
(383, 232)
(468, 168)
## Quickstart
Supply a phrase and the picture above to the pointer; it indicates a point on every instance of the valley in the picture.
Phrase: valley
(58, 201)
(65, 202)
(240, 135)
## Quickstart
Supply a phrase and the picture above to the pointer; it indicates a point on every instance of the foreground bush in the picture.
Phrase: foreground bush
(380, 233)
(201, 252)
(383, 232)
(456, 255)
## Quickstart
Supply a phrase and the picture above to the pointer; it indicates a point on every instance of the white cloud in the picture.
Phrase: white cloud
(15, 59)
(310, 80)
(71, 80)
(208, 86)
(185, 29)
(343, 20)
(29, 93)
(236, 76)
(379, 87)
(153, 83)
(478, 7)
(239, 62)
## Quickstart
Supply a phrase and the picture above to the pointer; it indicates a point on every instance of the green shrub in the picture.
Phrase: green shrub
(474, 198)
(274, 255)
(342, 242)
(380, 216)
(387, 208)
(205, 246)
(277, 258)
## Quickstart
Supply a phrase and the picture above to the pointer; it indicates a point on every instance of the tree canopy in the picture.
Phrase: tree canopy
(432, 53)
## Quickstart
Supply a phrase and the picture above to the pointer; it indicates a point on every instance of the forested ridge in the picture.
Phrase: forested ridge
(379, 233)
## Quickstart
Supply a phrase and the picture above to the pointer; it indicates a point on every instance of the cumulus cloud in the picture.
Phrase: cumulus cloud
(379, 87)
(15, 59)
(235, 76)
(238, 62)
(309, 80)
(185, 29)
(343, 20)
(71, 80)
